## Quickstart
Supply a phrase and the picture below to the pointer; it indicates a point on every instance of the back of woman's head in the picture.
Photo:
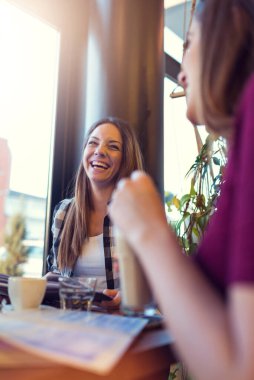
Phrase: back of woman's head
(227, 56)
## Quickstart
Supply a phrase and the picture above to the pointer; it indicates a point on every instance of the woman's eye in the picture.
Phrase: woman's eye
(114, 147)
(91, 143)
(186, 44)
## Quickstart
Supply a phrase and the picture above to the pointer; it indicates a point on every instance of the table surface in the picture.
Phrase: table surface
(148, 358)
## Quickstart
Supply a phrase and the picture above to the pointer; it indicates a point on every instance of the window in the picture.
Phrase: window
(180, 146)
(28, 77)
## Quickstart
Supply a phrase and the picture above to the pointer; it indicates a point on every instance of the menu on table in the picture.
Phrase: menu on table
(91, 341)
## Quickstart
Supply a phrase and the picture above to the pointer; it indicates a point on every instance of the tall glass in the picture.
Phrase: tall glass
(137, 297)
(77, 293)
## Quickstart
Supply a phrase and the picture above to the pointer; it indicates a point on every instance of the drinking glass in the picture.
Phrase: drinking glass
(137, 296)
(76, 293)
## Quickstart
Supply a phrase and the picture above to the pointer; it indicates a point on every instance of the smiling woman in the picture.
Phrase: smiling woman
(83, 241)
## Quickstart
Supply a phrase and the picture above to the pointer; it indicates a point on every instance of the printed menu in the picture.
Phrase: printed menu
(86, 340)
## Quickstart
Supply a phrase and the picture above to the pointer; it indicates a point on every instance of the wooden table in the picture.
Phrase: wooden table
(148, 358)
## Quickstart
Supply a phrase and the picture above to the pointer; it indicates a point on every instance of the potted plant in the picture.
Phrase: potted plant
(195, 207)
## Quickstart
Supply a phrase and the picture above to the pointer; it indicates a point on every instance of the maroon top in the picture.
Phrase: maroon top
(226, 254)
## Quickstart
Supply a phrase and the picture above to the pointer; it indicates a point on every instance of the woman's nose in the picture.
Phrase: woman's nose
(100, 149)
(182, 79)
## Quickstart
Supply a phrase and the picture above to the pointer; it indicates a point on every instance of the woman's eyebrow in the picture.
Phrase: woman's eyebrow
(110, 141)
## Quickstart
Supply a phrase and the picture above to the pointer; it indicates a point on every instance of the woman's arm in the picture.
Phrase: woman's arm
(210, 336)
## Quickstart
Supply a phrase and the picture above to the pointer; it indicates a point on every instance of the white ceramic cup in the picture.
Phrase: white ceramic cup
(25, 292)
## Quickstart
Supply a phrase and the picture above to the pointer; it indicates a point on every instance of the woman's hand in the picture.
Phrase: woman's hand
(50, 276)
(136, 208)
(116, 299)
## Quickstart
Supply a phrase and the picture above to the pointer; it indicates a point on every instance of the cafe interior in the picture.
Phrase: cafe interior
(65, 64)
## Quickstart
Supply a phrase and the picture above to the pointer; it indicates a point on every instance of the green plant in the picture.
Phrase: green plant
(178, 371)
(15, 251)
(195, 207)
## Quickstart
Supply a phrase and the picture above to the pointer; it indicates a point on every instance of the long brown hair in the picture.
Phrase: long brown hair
(227, 57)
(75, 229)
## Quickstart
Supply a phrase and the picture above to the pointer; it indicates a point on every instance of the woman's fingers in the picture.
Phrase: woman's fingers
(116, 299)
(136, 207)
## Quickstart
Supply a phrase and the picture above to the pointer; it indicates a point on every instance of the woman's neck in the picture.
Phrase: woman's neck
(100, 203)
(101, 197)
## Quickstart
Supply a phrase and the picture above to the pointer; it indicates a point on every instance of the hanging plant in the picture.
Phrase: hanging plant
(196, 207)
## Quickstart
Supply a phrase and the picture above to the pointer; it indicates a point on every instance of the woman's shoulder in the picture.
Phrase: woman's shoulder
(244, 116)
(61, 209)
(63, 205)
(60, 212)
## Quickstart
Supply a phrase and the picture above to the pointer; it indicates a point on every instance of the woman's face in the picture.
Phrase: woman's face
(103, 155)
(190, 75)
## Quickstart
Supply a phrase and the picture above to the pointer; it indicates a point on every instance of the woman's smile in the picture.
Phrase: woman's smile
(99, 165)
